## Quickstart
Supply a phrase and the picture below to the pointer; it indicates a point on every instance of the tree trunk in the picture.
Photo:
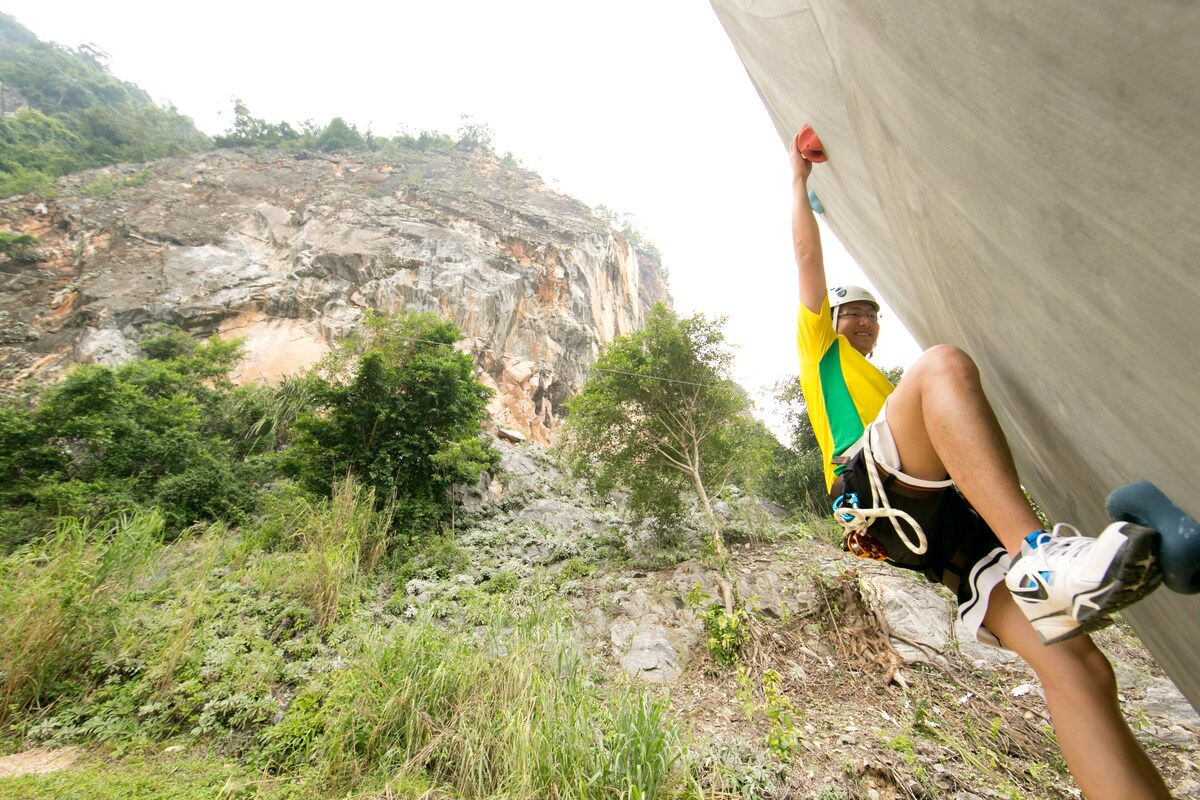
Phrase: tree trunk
(718, 545)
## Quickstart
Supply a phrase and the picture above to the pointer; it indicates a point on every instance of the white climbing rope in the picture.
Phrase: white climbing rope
(856, 520)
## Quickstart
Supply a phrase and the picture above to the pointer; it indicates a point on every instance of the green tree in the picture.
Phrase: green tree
(474, 135)
(797, 478)
(250, 131)
(338, 135)
(627, 226)
(401, 410)
(658, 415)
(104, 439)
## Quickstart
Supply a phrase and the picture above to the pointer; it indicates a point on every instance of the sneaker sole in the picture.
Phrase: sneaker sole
(1132, 576)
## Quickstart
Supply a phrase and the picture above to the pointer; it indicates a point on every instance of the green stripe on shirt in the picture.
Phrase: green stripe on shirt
(844, 422)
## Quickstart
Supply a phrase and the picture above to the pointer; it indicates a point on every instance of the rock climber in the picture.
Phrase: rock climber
(924, 479)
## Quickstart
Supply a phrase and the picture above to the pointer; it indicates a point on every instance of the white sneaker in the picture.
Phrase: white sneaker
(1067, 584)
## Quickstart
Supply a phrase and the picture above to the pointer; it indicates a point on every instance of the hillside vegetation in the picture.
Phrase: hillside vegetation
(332, 588)
(179, 571)
(65, 112)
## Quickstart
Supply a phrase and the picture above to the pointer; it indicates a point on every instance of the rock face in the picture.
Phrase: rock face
(288, 251)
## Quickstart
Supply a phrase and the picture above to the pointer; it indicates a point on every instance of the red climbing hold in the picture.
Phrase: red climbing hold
(809, 145)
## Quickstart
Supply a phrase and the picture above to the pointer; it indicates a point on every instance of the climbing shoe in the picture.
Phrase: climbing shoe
(1067, 584)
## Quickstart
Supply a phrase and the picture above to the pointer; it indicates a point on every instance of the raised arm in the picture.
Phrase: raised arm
(806, 239)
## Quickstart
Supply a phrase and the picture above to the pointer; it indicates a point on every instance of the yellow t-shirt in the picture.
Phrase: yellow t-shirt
(843, 391)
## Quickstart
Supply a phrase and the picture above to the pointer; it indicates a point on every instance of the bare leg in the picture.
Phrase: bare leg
(1081, 693)
(944, 426)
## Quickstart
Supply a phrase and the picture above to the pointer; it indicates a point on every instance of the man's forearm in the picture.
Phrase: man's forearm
(806, 240)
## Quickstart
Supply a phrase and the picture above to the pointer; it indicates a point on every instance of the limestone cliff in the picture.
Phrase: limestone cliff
(287, 250)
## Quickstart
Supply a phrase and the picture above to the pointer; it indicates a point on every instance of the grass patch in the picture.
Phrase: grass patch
(513, 711)
(100, 187)
(276, 660)
(59, 598)
(195, 775)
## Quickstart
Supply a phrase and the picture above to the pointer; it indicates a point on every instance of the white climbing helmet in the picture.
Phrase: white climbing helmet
(840, 295)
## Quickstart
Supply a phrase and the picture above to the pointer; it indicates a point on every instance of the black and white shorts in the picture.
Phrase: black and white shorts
(963, 552)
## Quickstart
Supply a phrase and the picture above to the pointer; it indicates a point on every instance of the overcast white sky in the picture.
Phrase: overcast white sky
(642, 106)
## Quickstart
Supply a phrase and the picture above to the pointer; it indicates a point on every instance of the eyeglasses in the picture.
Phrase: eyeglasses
(867, 315)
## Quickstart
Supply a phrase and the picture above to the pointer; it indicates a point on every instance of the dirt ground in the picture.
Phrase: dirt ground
(38, 761)
(868, 728)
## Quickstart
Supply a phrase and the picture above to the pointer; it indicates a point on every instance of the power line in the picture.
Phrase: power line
(542, 362)
(593, 366)
(654, 377)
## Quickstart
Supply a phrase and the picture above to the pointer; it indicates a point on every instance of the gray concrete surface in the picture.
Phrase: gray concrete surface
(1022, 179)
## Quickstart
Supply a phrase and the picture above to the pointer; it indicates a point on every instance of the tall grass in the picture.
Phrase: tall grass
(59, 598)
(341, 539)
(510, 713)
(505, 706)
(180, 636)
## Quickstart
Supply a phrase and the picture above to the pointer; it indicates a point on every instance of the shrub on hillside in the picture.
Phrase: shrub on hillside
(338, 135)
(399, 408)
(19, 247)
(106, 439)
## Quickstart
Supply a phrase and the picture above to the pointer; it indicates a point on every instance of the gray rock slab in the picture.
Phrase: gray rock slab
(651, 656)
(286, 253)
(918, 613)
(558, 515)
(772, 594)
(1164, 701)
(691, 574)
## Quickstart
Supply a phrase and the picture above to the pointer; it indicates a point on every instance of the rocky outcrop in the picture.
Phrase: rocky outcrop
(639, 612)
(288, 251)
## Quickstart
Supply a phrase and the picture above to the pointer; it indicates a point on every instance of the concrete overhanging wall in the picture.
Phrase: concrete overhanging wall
(1022, 179)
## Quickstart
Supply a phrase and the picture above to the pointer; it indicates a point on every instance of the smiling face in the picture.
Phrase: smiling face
(859, 323)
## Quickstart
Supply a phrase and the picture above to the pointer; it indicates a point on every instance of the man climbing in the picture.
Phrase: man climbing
(901, 463)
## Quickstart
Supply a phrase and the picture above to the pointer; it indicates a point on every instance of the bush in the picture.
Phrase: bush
(166, 342)
(726, 633)
(152, 432)
(797, 478)
(338, 135)
(208, 488)
(400, 409)
(19, 247)
(25, 181)
(436, 558)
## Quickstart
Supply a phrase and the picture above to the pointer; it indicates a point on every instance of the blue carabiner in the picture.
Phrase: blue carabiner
(851, 499)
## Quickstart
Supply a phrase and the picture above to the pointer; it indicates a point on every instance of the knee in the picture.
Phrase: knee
(944, 360)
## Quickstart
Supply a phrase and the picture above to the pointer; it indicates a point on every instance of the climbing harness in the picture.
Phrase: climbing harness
(855, 520)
